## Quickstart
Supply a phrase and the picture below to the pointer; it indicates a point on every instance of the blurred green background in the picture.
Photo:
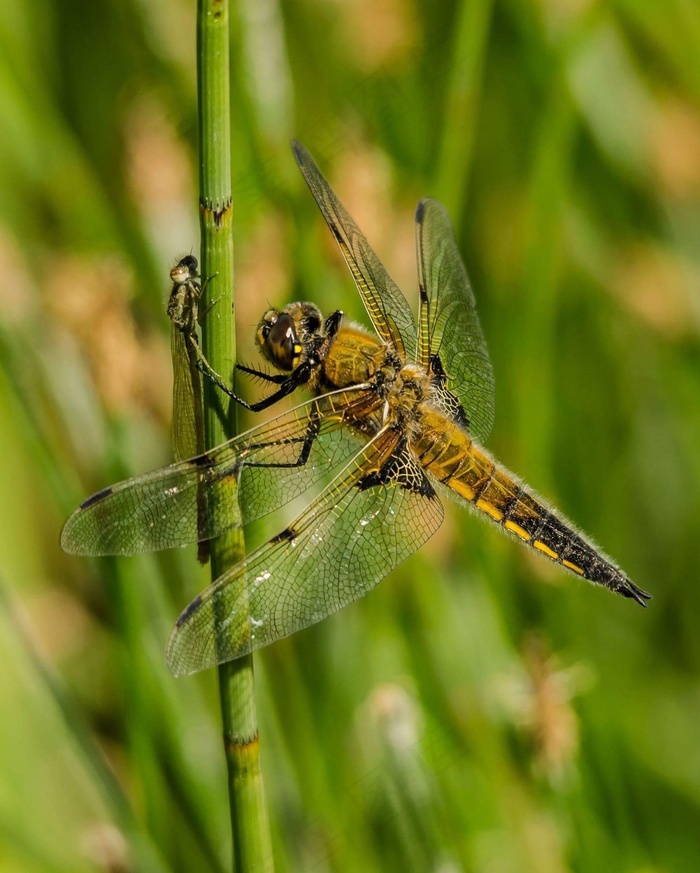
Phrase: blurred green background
(481, 710)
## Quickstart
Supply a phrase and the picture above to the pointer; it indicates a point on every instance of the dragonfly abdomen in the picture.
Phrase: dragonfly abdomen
(456, 461)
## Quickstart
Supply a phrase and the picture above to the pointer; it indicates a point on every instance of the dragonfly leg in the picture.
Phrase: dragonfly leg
(290, 383)
(276, 378)
(205, 367)
(307, 441)
(211, 305)
(206, 282)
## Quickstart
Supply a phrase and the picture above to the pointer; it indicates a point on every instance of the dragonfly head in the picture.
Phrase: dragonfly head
(283, 335)
(185, 270)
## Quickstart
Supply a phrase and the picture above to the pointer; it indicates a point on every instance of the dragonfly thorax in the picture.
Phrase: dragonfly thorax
(404, 395)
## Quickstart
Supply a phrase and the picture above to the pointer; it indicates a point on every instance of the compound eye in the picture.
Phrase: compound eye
(266, 324)
(185, 270)
(280, 345)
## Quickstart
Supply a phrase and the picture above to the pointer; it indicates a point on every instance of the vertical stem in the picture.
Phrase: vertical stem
(251, 837)
(468, 57)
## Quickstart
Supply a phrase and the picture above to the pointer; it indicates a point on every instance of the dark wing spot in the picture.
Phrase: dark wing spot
(401, 469)
(437, 370)
(203, 461)
(369, 481)
(421, 485)
(189, 610)
(420, 211)
(284, 536)
(448, 400)
(95, 498)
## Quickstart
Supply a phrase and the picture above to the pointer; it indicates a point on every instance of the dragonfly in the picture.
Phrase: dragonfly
(187, 356)
(189, 362)
(397, 417)
(188, 404)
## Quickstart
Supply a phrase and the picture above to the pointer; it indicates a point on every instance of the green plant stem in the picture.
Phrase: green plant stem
(462, 102)
(250, 827)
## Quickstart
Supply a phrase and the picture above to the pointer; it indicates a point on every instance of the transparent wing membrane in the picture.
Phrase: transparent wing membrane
(356, 532)
(188, 421)
(271, 464)
(450, 339)
(371, 449)
(385, 304)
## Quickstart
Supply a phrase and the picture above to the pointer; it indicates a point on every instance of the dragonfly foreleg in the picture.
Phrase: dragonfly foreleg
(276, 378)
(206, 368)
(307, 440)
(290, 383)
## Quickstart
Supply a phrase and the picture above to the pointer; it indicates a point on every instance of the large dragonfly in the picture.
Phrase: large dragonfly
(397, 416)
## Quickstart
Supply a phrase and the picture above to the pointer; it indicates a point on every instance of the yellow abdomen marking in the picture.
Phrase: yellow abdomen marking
(463, 489)
(517, 530)
(489, 509)
(538, 544)
(573, 567)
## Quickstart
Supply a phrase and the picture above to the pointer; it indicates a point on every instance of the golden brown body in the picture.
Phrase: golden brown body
(396, 415)
(353, 358)
(450, 455)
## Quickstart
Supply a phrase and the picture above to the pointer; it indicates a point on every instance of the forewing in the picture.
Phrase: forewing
(271, 464)
(376, 513)
(450, 339)
(387, 307)
(188, 422)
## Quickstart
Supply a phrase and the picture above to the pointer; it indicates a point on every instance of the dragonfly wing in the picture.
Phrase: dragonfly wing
(376, 513)
(450, 340)
(188, 422)
(271, 464)
(385, 304)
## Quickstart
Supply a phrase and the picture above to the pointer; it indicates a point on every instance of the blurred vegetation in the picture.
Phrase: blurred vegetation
(481, 710)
